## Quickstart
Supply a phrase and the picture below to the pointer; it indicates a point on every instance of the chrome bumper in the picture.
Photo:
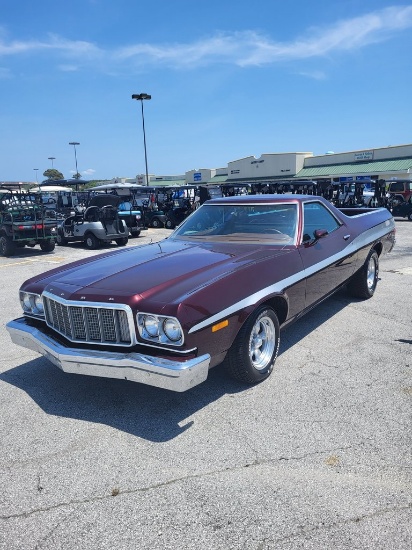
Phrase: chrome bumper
(163, 373)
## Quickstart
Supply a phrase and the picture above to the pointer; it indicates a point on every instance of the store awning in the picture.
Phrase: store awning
(370, 168)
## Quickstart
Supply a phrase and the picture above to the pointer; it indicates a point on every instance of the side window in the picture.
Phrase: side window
(317, 216)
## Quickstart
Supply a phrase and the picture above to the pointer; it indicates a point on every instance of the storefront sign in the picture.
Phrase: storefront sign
(365, 155)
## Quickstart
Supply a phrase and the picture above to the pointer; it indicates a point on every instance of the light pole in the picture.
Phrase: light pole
(141, 97)
(52, 159)
(35, 169)
(74, 143)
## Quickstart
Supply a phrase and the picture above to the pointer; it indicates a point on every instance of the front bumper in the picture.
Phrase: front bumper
(163, 373)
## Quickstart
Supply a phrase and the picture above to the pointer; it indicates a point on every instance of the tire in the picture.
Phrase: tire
(169, 224)
(7, 246)
(122, 242)
(91, 241)
(48, 246)
(410, 217)
(156, 223)
(253, 353)
(363, 283)
(61, 241)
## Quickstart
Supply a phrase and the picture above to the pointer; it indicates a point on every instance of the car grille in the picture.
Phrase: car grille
(85, 323)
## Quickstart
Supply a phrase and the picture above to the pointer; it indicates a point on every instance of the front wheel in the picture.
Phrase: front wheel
(253, 353)
(61, 240)
(363, 283)
(169, 224)
(122, 242)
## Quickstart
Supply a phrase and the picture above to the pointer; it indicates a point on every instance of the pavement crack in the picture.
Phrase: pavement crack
(117, 492)
(356, 519)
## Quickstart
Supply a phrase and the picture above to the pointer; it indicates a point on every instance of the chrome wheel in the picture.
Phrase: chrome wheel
(253, 353)
(262, 342)
(371, 274)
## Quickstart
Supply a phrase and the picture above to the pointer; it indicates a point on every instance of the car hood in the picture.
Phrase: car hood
(163, 272)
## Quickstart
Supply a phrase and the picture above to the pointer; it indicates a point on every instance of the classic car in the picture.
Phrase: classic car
(216, 290)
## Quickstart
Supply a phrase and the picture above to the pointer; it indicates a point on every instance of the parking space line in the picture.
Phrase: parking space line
(31, 260)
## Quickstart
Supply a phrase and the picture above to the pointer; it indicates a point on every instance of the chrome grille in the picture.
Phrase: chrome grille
(86, 323)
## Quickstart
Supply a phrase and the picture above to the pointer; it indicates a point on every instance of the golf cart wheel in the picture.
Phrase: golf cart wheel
(169, 224)
(122, 242)
(48, 246)
(91, 241)
(61, 240)
(7, 246)
(410, 217)
(156, 223)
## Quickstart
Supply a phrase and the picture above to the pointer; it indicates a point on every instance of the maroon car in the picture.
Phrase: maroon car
(217, 290)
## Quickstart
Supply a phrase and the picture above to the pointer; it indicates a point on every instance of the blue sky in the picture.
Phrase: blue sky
(228, 79)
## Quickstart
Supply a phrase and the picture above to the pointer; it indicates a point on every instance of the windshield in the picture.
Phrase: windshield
(269, 223)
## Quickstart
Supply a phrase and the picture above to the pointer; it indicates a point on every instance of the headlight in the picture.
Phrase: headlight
(38, 304)
(25, 301)
(172, 329)
(32, 303)
(151, 325)
(160, 329)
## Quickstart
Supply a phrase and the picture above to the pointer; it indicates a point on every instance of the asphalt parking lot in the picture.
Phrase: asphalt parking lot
(316, 457)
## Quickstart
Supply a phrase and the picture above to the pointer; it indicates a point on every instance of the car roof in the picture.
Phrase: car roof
(261, 199)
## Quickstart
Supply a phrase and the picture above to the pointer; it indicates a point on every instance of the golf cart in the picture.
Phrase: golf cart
(23, 221)
(98, 224)
(128, 210)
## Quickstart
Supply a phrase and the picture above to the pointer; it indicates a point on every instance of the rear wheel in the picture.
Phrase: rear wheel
(169, 224)
(48, 246)
(7, 246)
(253, 353)
(91, 241)
(122, 242)
(363, 283)
(156, 223)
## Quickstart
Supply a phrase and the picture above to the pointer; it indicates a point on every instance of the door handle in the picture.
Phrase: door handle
(346, 237)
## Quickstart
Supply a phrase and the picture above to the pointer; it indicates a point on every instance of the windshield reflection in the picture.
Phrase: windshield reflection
(274, 223)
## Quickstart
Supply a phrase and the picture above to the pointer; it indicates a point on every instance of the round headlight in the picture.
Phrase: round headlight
(25, 301)
(151, 325)
(172, 330)
(38, 304)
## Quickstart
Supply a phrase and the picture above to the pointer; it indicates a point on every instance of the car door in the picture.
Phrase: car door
(326, 259)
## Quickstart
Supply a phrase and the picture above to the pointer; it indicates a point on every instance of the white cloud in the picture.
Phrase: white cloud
(244, 49)
(70, 48)
(315, 75)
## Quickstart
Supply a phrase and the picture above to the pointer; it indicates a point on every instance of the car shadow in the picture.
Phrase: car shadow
(144, 411)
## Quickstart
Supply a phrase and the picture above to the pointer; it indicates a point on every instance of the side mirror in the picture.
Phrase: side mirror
(317, 234)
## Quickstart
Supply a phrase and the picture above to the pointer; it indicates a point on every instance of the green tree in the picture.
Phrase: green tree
(77, 176)
(53, 174)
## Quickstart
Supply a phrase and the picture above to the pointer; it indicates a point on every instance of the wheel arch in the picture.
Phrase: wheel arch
(280, 305)
(378, 247)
